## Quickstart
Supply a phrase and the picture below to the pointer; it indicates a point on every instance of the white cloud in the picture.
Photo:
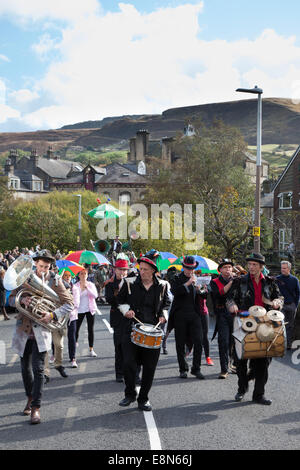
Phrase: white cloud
(23, 96)
(128, 62)
(36, 10)
(6, 112)
(4, 58)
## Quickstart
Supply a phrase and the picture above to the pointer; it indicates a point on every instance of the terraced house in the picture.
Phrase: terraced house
(287, 209)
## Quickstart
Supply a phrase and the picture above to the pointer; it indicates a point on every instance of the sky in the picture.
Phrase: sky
(68, 61)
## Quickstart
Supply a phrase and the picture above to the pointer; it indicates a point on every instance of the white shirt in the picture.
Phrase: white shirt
(84, 302)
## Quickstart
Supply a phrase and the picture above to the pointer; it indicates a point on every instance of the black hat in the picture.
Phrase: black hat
(189, 262)
(43, 254)
(256, 257)
(147, 259)
(225, 261)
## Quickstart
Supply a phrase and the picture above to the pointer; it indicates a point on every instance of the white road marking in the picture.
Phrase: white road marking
(71, 413)
(13, 360)
(155, 443)
(108, 325)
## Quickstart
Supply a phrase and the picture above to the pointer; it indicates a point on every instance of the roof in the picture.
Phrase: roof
(56, 168)
(117, 173)
(252, 157)
(293, 158)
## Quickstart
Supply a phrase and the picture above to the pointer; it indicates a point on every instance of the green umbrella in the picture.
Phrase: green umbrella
(105, 211)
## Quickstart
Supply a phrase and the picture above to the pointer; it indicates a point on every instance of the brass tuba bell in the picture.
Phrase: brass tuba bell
(43, 298)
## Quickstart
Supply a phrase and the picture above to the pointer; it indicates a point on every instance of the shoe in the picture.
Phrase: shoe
(239, 396)
(209, 361)
(35, 417)
(126, 401)
(223, 375)
(92, 353)
(165, 351)
(62, 371)
(74, 364)
(262, 401)
(144, 406)
(198, 375)
(46, 379)
(119, 379)
(27, 409)
(183, 375)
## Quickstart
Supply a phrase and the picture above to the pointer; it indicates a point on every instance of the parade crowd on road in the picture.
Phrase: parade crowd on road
(145, 306)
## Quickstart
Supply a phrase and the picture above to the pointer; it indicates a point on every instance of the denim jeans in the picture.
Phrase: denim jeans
(32, 366)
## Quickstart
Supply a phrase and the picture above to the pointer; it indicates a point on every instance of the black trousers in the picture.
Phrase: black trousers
(225, 329)
(117, 337)
(32, 366)
(188, 326)
(133, 357)
(259, 368)
(90, 324)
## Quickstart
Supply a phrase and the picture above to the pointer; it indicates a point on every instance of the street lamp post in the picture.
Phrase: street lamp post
(79, 222)
(256, 228)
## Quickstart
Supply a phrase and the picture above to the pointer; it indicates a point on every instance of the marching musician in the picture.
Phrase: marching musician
(224, 320)
(185, 316)
(147, 299)
(253, 289)
(31, 340)
(112, 287)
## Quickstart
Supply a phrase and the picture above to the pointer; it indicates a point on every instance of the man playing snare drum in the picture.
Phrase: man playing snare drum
(144, 299)
(253, 289)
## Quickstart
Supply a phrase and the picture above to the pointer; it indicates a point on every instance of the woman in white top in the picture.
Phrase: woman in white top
(85, 294)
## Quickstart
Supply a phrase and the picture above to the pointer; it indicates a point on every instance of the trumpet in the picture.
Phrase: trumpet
(43, 298)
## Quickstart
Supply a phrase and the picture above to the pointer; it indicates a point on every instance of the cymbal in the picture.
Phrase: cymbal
(275, 315)
(257, 311)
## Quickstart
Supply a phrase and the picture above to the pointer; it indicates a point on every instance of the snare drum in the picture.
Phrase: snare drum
(146, 336)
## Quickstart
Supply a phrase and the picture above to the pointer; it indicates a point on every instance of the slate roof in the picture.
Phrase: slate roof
(117, 173)
(56, 168)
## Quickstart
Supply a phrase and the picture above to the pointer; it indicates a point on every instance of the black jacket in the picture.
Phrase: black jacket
(111, 292)
(132, 293)
(243, 295)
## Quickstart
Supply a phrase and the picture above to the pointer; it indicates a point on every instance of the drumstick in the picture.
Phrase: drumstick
(139, 321)
(157, 325)
(279, 332)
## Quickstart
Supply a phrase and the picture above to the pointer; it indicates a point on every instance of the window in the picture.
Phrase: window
(14, 183)
(285, 200)
(36, 186)
(124, 198)
(285, 238)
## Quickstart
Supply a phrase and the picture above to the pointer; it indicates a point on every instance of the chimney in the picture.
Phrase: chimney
(8, 167)
(166, 151)
(13, 155)
(142, 141)
(49, 155)
(33, 158)
(132, 150)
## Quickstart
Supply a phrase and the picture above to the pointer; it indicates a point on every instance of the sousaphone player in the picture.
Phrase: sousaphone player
(32, 340)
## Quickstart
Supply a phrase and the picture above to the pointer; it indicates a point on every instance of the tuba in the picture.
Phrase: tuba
(43, 298)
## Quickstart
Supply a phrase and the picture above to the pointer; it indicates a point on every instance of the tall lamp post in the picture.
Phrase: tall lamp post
(256, 228)
(79, 222)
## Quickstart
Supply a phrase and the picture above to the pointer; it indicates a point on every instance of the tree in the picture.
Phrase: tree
(209, 171)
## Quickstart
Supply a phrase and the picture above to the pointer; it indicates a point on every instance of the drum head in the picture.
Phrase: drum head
(275, 315)
(147, 328)
(257, 311)
(265, 332)
(249, 325)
